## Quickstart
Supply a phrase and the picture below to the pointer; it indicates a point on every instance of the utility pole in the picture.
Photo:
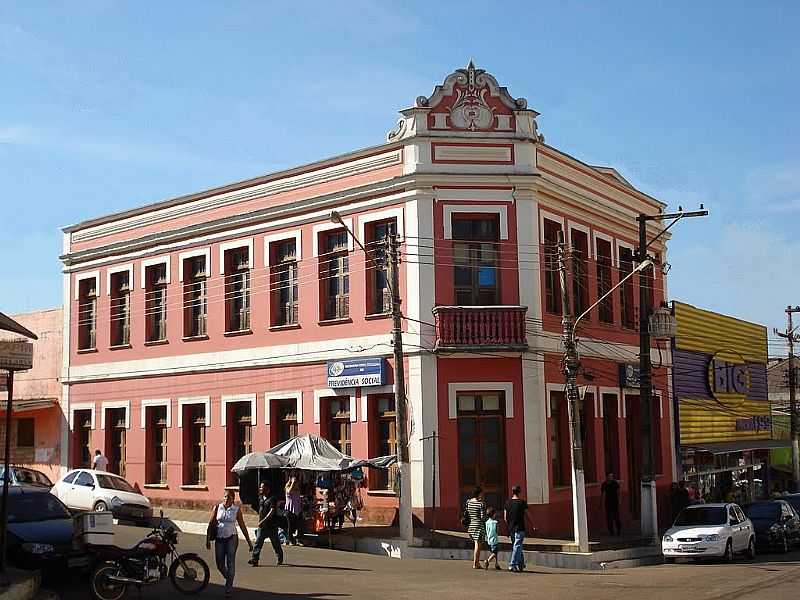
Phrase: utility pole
(791, 338)
(400, 401)
(649, 506)
(4, 582)
(400, 407)
(571, 365)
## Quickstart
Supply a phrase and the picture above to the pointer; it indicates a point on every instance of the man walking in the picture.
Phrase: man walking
(267, 526)
(515, 518)
(100, 462)
(609, 491)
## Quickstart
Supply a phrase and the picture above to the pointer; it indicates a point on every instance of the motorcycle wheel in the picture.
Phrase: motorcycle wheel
(101, 587)
(189, 574)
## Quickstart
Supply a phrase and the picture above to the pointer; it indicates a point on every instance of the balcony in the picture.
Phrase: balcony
(470, 328)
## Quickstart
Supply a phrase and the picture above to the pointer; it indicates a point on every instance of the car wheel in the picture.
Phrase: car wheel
(751, 548)
(728, 556)
(100, 506)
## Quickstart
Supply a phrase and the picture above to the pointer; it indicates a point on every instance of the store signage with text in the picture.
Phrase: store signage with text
(356, 372)
(16, 356)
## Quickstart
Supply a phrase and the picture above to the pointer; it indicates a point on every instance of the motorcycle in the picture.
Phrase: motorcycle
(146, 564)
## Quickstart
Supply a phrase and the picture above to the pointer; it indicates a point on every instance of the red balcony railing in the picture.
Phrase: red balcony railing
(480, 327)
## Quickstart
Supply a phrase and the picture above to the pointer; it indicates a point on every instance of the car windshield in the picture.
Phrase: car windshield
(763, 510)
(114, 483)
(28, 476)
(23, 508)
(702, 515)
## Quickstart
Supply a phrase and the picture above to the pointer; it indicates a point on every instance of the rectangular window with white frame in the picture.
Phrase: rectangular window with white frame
(237, 290)
(334, 275)
(120, 308)
(379, 269)
(195, 295)
(549, 250)
(284, 282)
(156, 302)
(87, 313)
(604, 265)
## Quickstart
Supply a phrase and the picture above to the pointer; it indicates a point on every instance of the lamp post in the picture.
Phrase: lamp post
(400, 401)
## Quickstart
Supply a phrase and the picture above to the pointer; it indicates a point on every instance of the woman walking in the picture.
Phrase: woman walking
(223, 523)
(476, 510)
(293, 509)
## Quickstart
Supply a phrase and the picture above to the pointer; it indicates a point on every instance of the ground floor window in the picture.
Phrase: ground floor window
(115, 440)
(611, 434)
(240, 435)
(285, 422)
(588, 440)
(338, 423)
(194, 444)
(156, 449)
(481, 445)
(558, 434)
(82, 438)
(385, 431)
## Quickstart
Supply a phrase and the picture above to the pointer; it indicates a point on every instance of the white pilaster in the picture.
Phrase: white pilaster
(533, 383)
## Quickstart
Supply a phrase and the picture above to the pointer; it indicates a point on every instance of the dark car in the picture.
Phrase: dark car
(794, 500)
(26, 476)
(40, 530)
(776, 523)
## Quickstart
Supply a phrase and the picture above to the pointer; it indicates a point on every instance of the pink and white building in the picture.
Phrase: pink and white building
(198, 328)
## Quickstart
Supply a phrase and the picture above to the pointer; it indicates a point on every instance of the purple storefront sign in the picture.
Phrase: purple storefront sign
(693, 377)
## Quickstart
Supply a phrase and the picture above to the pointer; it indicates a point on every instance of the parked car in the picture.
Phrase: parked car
(793, 499)
(86, 489)
(40, 530)
(713, 530)
(24, 475)
(776, 524)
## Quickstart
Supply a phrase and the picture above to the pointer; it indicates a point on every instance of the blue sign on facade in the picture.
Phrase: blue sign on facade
(356, 372)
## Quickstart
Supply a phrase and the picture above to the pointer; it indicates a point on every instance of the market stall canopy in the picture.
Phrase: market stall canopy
(9, 324)
(308, 452)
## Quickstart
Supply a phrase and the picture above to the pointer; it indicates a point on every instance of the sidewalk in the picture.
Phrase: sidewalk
(604, 551)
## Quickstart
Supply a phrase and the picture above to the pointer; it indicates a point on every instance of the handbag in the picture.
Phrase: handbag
(211, 531)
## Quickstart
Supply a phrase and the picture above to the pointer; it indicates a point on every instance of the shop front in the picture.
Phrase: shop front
(721, 406)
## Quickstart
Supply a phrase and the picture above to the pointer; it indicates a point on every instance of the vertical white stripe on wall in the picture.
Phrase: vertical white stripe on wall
(533, 384)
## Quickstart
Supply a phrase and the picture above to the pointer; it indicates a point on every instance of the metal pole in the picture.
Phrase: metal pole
(649, 512)
(6, 476)
(401, 419)
(793, 417)
(571, 365)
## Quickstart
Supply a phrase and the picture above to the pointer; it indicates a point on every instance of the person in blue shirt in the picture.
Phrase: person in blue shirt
(491, 537)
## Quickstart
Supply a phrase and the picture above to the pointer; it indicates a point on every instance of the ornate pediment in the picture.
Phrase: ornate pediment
(471, 100)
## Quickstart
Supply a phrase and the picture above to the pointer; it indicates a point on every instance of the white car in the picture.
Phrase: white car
(85, 489)
(714, 530)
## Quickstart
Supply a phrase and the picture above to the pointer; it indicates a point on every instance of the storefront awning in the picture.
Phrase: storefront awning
(741, 446)
(29, 404)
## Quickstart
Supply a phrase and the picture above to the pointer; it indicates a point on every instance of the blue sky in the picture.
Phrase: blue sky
(108, 105)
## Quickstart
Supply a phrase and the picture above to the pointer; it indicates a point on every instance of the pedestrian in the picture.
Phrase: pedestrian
(100, 462)
(610, 494)
(476, 510)
(682, 496)
(491, 538)
(223, 522)
(515, 519)
(267, 526)
(293, 510)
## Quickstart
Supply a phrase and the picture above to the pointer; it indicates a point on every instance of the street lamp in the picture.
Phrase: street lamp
(401, 410)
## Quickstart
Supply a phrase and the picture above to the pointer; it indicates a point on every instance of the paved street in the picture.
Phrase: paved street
(312, 573)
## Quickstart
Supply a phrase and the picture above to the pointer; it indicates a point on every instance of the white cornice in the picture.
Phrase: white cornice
(273, 219)
(282, 185)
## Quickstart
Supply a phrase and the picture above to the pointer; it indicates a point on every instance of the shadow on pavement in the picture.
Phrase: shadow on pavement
(218, 591)
(326, 567)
